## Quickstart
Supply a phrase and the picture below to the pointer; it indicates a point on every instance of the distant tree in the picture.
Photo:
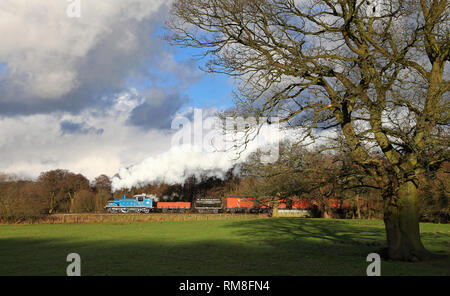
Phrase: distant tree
(189, 188)
(50, 182)
(359, 188)
(60, 187)
(102, 182)
(435, 196)
(298, 173)
(84, 201)
(101, 198)
(21, 200)
(74, 183)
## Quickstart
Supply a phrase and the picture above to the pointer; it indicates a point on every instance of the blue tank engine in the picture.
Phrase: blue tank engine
(138, 203)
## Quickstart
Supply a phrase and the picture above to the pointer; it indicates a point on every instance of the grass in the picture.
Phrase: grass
(283, 246)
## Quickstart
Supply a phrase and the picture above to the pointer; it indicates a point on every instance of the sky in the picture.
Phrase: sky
(95, 93)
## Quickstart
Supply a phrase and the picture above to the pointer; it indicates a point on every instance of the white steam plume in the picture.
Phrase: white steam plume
(173, 166)
(182, 161)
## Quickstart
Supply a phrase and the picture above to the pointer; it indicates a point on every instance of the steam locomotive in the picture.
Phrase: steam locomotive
(138, 203)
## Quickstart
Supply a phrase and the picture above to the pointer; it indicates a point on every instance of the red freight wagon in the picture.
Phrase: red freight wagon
(346, 205)
(239, 203)
(334, 203)
(304, 203)
(173, 206)
(339, 204)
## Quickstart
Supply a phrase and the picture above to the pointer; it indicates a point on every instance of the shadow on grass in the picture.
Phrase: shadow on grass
(328, 232)
(332, 231)
(286, 246)
(213, 257)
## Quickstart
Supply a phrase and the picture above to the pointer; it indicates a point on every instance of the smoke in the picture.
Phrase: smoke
(199, 158)
(174, 166)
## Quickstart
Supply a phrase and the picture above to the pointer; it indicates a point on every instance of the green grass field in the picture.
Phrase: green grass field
(283, 246)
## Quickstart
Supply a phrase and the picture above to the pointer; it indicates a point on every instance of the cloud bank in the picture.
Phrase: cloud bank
(92, 142)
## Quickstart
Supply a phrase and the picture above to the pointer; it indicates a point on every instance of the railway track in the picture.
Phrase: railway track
(142, 214)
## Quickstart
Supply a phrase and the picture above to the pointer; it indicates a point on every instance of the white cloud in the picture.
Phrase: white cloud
(42, 46)
(31, 144)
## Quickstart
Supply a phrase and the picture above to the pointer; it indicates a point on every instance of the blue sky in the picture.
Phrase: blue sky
(208, 90)
(211, 90)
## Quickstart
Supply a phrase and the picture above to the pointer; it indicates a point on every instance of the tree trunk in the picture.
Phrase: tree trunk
(72, 202)
(326, 209)
(51, 203)
(401, 219)
(358, 209)
(275, 209)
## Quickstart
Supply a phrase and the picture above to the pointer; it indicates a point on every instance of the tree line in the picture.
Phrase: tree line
(55, 191)
(324, 178)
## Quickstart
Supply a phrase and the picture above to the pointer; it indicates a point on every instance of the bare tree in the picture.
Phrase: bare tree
(374, 73)
(102, 183)
(60, 187)
(276, 182)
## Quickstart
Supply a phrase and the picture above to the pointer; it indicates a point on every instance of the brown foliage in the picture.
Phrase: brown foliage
(21, 200)
(60, 187)
(84, 201)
